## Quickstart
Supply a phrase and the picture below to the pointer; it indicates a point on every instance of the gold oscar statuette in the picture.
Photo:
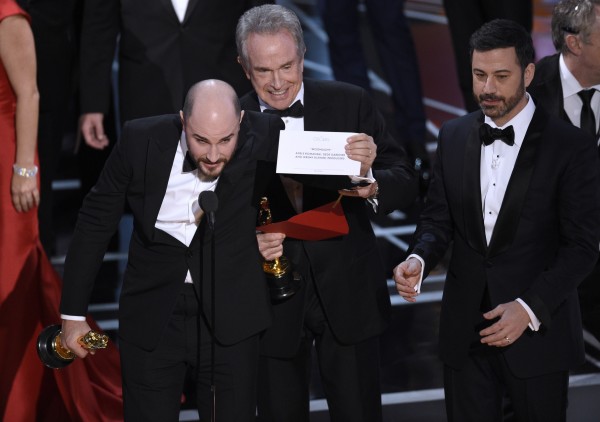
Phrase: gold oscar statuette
(54, 355)
(283, 282)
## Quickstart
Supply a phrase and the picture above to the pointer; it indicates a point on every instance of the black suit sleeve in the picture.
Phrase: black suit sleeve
(97, 222)
(435, 229)
(396, 178)
(99, 32)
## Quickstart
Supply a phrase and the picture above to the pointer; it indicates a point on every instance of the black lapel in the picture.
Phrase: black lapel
(170, 10)
(518, 185)
(159, 161)
(473, 216)
(316, 109)
(190, 9)
(251, 102)
(551, 94)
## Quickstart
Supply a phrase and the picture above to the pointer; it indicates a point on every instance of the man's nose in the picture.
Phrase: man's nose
(489, 86)
(277, 79)
(213, 153)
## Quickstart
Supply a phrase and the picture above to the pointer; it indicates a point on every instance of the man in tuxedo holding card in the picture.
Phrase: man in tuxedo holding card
(343, 304)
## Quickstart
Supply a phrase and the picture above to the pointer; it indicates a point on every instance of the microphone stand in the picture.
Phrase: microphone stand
(213, 389)
(209, 203)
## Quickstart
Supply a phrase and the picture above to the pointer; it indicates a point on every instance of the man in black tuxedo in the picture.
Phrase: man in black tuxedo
(521, 207)
(169, 264)
(567, 85)
(343, 304)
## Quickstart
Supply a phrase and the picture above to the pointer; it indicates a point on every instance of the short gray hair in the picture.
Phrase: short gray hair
(575, 17)
(267, 19)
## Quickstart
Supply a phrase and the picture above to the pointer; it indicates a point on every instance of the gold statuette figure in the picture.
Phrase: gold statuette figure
(54, 355)
(283, 282)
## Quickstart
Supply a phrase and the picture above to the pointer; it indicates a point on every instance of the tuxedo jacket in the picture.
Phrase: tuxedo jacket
(159, 57)
(546, 86)
(544, 242)
(348, 272)
(137, 173)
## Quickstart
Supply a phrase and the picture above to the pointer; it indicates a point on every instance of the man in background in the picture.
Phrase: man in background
(566, 84)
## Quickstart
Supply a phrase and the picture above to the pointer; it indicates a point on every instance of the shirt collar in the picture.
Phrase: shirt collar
(570, 85)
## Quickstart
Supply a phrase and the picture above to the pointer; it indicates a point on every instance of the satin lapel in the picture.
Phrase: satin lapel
(473, 215)
(316, 109)
(553, 98)
(510, 211)
(159, 161)
(170, 11)
(190, 9)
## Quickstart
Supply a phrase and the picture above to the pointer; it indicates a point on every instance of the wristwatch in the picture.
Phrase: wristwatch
(376, 193)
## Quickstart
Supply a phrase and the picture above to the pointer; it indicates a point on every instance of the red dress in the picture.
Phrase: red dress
(86, 390)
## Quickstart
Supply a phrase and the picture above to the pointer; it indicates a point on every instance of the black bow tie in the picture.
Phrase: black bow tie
(295, 110)
(188, 163)
(489, 134)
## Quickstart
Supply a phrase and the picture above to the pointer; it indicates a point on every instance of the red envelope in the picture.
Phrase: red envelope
(321, 223)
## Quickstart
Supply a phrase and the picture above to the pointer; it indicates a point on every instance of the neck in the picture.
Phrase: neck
(586, 77)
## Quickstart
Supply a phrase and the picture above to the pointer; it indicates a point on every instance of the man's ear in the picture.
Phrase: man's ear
(181, 117)
(528, 74)
(239, 60)
(573, 43)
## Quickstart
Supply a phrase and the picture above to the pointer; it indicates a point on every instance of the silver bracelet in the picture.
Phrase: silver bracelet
(24, 171)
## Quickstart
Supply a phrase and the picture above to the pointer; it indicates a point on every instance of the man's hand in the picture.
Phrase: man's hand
(270, 245)
(71, 332)
(513, 321)
(361, 147)
(92, 128)
(407, 275)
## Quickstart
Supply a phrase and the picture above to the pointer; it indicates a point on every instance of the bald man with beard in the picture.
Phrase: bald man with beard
(159, 168)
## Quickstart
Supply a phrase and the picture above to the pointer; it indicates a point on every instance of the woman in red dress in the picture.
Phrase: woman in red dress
(87, 390)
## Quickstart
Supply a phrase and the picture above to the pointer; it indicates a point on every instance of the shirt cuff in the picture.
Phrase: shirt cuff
(534, 322)
(72, 317)
(418, 286)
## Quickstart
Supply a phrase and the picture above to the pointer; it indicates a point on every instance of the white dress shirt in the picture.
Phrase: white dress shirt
(179, 214)
(180, 7)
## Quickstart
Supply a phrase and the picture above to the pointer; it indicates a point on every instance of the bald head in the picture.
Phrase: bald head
(211, 96)
(211, 119)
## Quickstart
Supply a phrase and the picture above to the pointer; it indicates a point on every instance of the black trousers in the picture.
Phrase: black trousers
(476, 392)
(153, 380)
(349, 375)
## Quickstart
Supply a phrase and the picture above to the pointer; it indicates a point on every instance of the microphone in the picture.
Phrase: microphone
(209, 202)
